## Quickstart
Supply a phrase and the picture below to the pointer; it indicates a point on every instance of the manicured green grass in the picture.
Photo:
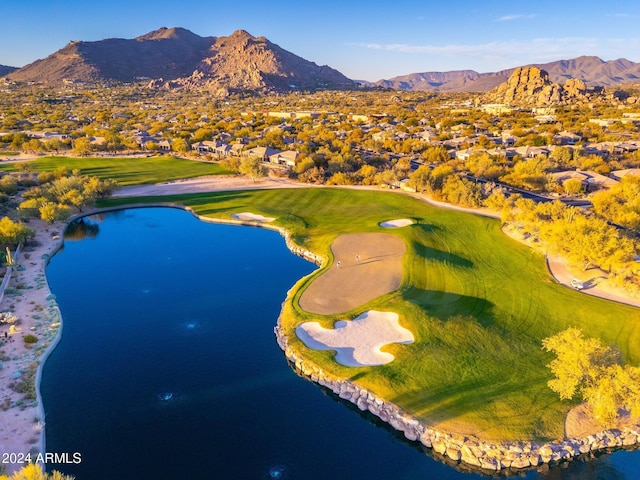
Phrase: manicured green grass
(128, 171)
(478, 303)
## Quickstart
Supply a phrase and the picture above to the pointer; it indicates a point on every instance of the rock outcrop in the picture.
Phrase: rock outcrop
(242, 62)
(530, 86)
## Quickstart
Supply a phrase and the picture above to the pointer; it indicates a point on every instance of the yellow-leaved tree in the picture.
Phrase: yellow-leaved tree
(594, 372)
(31, 471)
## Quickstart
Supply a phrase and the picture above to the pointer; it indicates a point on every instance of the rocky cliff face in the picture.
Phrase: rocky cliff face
(530, 86)
(242, 62)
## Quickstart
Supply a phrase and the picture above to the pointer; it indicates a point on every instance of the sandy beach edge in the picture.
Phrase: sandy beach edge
(55, 248)
(19, 431)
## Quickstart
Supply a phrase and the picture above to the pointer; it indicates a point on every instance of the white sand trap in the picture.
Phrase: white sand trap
(253, 217)
(400, 222)
(357, 342)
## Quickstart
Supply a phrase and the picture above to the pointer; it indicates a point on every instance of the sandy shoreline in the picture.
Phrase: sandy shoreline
(29, 297)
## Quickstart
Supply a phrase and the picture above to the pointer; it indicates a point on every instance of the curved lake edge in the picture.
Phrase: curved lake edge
(474, 452)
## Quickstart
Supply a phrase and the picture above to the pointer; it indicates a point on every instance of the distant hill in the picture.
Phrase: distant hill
(5, 70)
(167, 52)
(591, 70)
(178, 58)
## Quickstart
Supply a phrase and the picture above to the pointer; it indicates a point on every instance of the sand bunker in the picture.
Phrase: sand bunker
(357, 342)
(252, 217)
(370, 266)
(400, 222)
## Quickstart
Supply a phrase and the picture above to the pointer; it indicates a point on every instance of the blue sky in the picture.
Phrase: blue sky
(365, 40)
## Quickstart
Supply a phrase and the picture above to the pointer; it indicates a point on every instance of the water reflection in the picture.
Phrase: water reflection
(82, 228)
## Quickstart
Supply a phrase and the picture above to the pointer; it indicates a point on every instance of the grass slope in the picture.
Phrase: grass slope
(127, 171)
(478, 303)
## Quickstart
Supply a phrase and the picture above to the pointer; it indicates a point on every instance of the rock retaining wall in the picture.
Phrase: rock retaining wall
(459, 448)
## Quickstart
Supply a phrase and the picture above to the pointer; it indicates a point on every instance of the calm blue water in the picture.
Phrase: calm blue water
(168, 367)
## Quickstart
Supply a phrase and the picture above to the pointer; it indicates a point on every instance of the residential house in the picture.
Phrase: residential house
(261, 152)
(206, 146)
(222, 150)
(288, 158)
(463, 154)
(619, 174)
(509, 140)
(531, 152)
(236, 148)
(566, 138)
(591, 181)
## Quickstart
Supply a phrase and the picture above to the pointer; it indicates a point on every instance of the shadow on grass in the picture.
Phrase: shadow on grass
(430, 253)
(444, 305)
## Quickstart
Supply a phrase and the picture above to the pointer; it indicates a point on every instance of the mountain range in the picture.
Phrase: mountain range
(176, 58)
(593, 71)
(5, 70)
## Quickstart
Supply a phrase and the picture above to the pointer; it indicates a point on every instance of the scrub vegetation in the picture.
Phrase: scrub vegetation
(479, 304)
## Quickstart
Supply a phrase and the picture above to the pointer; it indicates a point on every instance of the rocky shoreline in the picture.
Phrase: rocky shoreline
(473, 452)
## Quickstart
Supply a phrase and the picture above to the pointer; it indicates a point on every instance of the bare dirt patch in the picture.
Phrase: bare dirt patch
(370, 266)
(580, 423)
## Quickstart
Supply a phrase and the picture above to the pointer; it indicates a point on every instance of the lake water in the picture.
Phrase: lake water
(168, 367)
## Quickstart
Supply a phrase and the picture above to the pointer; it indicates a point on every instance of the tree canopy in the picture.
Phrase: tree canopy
(584, 367)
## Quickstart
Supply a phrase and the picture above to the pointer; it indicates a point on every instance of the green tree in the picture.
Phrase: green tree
(437, 154)
(180, 145)
(572, 186)
(82, 146)
(460, 191)
(8, 184)
(252, 167)
(419, 179)
(33, 145)
(621, 203)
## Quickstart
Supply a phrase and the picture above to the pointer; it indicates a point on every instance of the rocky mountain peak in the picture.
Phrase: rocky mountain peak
(164, 33)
